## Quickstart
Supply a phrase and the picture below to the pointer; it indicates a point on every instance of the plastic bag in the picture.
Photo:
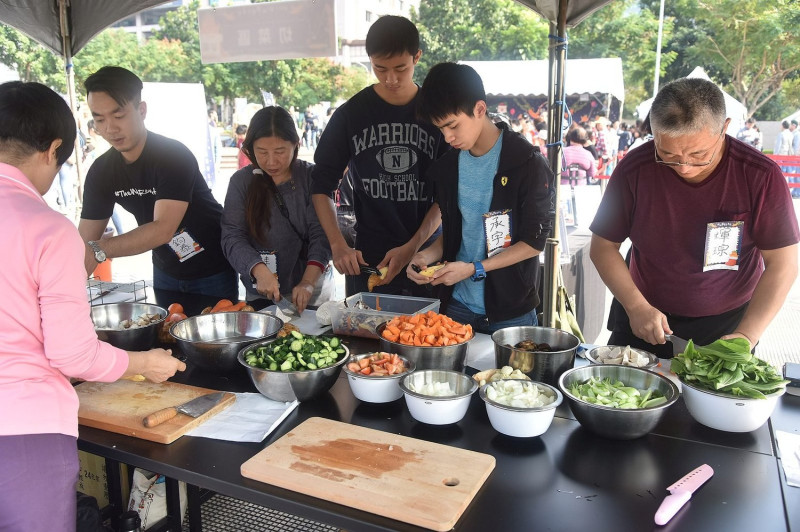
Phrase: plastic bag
(149, 497)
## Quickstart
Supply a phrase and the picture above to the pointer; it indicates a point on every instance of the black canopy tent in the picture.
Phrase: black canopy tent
(65, 26)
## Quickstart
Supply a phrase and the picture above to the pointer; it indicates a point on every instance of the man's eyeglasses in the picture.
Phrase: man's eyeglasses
(659, 160)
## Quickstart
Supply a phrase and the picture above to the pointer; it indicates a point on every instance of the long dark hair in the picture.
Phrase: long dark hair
(270, 121)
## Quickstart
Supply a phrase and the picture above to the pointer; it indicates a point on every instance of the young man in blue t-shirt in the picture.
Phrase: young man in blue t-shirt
(496, 199)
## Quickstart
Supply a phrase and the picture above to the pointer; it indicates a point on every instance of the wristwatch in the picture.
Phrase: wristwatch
(480, 273)
(99, 254)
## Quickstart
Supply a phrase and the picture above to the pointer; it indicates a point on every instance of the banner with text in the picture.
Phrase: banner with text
(289, 29)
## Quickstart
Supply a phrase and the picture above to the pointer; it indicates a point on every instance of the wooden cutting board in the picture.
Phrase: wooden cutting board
(414, 481)
(120, 407)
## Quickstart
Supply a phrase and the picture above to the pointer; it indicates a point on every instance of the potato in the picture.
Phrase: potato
(205, 310)
(248, 308)
(430, 270)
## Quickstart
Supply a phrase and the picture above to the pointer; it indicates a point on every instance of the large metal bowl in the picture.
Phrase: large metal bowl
(212, 341)
(451, 357)
(107, 317)
(541, 366)
(617, 423)
(288, 386)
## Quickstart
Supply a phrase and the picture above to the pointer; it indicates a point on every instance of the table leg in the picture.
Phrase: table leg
(194, 500)
(173, 503)
(114, 484)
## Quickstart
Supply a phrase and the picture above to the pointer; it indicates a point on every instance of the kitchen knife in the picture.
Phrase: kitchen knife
(681, 492)
(287, 307)
(678, 344)
(194, 408)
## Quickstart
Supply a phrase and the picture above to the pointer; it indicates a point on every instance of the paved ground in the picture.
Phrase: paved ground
(780, 343)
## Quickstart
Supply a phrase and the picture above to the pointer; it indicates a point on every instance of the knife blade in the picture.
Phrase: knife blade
(678, 344)
(194, 408)
(681, 492)
(287, 307)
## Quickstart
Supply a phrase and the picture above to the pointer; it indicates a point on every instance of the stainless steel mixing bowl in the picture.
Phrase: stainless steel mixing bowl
(290, 385)
(541, 366)
(107, 318)
(617, 423)
(212, 341)
(453, 357)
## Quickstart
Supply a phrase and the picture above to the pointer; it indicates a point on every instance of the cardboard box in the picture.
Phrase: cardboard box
(93, 479)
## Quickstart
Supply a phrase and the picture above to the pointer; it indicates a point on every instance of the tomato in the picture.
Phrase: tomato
(175, 317)
(175, 308)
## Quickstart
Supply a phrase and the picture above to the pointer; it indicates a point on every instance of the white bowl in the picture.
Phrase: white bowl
(438, 410)
(521, 422)
(728, 412)
(372, 389)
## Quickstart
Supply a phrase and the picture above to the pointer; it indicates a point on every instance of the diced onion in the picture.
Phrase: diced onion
(519, 394)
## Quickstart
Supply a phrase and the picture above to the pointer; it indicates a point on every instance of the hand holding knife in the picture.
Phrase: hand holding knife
(681, 492)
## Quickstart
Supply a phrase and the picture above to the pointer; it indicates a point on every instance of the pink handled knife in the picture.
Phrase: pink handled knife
(681, 492)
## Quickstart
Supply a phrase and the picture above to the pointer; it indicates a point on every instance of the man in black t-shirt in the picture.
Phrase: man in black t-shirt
(377, 135)
(156, 179)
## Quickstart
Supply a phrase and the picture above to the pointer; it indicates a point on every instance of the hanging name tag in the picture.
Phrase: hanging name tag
(723, 245)
(184, 246)
(497, 228)
(270, 258)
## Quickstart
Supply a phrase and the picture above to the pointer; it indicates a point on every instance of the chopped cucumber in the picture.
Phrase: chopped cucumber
(297, 352)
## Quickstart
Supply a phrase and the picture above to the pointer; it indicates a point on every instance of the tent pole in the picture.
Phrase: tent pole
(66, 46)
(556, 106)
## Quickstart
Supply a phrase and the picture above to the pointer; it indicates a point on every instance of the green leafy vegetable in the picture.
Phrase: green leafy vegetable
(727, 366)
(614, 394)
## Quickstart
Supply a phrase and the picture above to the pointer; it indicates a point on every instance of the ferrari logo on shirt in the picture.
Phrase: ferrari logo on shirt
(504, 180)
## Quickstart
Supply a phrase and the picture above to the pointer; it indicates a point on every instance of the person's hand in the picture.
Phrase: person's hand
(301, 295)
(740, 334)
(346, 260)
(420, 262)
(161, 365)
(395, 259)
(649, 324)
(452, 273)
(267, 284)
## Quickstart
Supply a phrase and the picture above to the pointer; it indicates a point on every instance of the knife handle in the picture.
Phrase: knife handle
(670, 506)
(157, 418)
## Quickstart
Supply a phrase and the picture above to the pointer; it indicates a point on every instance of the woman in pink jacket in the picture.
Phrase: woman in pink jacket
(46, 334)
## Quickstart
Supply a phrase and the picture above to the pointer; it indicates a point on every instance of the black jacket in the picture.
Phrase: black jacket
(523, 184)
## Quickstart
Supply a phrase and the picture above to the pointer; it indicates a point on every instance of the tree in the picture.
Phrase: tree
(620, 29)
(31, 60)
(754, 44)
(456, 30)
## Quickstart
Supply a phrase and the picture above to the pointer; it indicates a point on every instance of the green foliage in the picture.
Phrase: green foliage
(620, 30)
(749, 48)
(474, 30)
(31, 60)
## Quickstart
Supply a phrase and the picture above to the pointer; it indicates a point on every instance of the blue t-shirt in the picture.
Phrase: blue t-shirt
(475, 178)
